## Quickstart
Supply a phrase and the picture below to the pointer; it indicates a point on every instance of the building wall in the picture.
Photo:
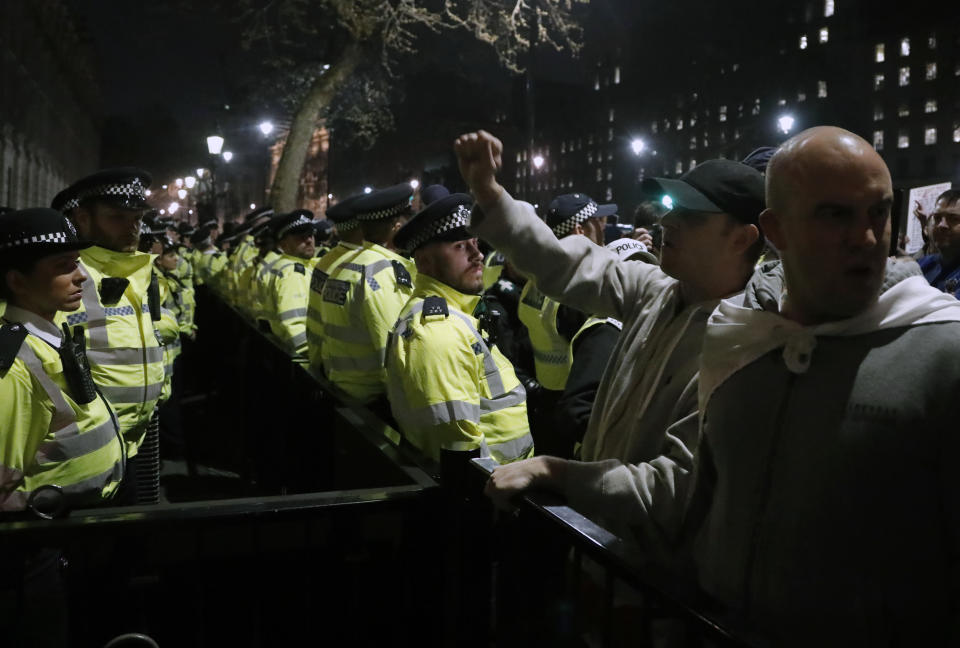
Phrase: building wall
(48, 116)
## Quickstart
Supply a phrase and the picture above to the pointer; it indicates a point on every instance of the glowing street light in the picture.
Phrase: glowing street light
(785, 123)
(414, 183)
(173, 207)
(637, 146)
(147, 192)
(367, 190)
(214, 145)
(227, 156)
(178, 182)
(329, 196)
(182, 194)
(190, 181)
(164, 186)
(200, 172)
(190, 211)
(253, 206)
(538, 161)
(163, 211)
(266, 127)
(326, 66)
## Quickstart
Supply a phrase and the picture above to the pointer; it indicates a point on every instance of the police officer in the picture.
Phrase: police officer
(449, 388)
(260, 293)
(209, 261)
(363, 297)
(323, 237)
(347, 227)
(121, 302)
(290, 285)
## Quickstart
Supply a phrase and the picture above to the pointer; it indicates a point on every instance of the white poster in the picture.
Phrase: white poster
(924, 198)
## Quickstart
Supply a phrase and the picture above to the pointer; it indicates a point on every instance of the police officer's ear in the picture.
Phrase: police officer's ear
(82, 217)
(772, 229)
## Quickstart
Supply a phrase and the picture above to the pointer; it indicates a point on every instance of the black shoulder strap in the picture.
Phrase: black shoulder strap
(299, 267)
(153, 297)
(435, 305)
(11, 338)
(112, 288)
(403, 277)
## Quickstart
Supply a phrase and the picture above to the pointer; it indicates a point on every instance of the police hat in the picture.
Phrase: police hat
(629, 249)
(433, 193)
(445, 219)
(39, 231)
(123, 187)
(297, 221)
(343, 214)
(200, 236)
(715, 186)
(569, 210)
(385, 203)
(607, 210)
(323, 227)
(759, 158)
(258, 213)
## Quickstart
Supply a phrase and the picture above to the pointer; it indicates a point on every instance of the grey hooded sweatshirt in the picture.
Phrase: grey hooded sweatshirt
(826, 509)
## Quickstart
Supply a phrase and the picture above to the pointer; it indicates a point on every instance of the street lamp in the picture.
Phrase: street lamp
(367, 190)
(190, 181)
(253, 206)
(200, 172)
(178, 182)
(785, 123)
(181, 194)
(173, 207)
(538, 161)
(414, 183)
(214, 145)
(227, 156)
(637, 146)
(266, 127)
(147, 192)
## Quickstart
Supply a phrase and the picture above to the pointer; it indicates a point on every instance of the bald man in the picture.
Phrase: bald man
(825, 510)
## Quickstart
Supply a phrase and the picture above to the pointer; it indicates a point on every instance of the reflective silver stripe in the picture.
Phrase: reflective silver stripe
(138, 394)
(374, 268)
(347, 265)
(125, 356)
(299, 339)
(547, 357)
(492, 374)
(512, 398)
(64, 421)
(96, 482)
(96, 316)
(76, 445)
(168, 313)
(293, 312)
(445, 412)
(462, 446)
(356, 335)
(515, 448)
(349, 363)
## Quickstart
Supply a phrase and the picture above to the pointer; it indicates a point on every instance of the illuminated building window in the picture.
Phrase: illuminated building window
(803, 42)
(904, 76)
(518, 157)
(609, 175)
(956, 70)
(801, 96)
(956, 132)
(609, 134)
(693, 121)
(736, 133)
(679, 123)
(929, 135)
(878, 81)
(824, 34)
(693, 163)
(932, 41)
(616, 75)
(821, 89)
(828, 8)
(904, 47)
(903, 110)
(589, 158)
(609, 156)
(723, 113)
(653, 127)
(599, 174)
(903, 140)
(878, 140)
(931, 71)
(735, 67)
(678, 169)
(611, 114)
(693, 142)
(879, 54)
(781, 102)
(877, 112)
(930, 106)
(596, 81)
(609, 194)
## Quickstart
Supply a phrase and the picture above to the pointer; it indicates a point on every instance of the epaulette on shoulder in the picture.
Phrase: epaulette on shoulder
(435, 305)
(299, 267)
(11, 339)
(402, 275)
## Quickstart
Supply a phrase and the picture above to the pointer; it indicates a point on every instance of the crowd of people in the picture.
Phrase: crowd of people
(750, 387)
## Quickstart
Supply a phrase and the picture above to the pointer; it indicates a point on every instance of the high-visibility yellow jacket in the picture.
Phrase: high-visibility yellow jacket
(177, 304)
(361, 301)
(237, 263)
(288, 302)
(552, 354)
(492, 268)
(321, 271)
(184, 270)
(447, 387)
(126, 358)
(245, 286)
(209, 268)
(260, 295)
(47, 438)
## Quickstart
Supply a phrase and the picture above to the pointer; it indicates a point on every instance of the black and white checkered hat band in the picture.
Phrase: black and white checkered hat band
(348, 225)
(53, 237)
(301, 220)
(384, 213)
(564, 228)
(132, 189)
(453, 220)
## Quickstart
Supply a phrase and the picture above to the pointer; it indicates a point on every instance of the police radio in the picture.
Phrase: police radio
(76, 369)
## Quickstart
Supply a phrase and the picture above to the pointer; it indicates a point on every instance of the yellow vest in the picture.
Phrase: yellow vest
(260, 295)
(361, 301)
(447, 388)
(236, 264)
(48, 439)
(288, 303)
(321, 271)
(492, 268)
(552, 355)
(126, 359)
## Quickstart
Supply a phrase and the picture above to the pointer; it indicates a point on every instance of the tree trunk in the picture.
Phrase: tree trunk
(286, 182)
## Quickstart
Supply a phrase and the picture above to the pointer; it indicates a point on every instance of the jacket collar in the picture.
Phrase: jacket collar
(35, 325)
(117, 264)
(426, 285)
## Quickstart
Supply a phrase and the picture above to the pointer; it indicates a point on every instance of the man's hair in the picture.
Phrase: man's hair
(22, 263)
(378, 231)
(950, 197)
(647, 214)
